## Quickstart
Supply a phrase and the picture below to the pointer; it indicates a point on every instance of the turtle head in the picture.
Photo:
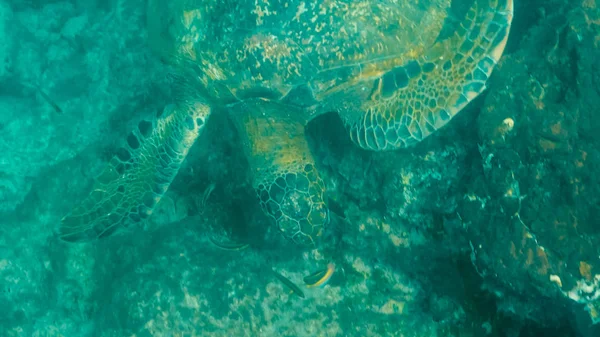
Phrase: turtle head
(283, 169)
(295, 201)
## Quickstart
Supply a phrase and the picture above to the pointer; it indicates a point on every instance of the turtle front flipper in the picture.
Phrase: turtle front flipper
(409, 102)
(283, 170)
(138, 175)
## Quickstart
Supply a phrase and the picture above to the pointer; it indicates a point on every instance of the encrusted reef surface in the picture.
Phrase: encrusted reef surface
(488, 228)
(531, 211)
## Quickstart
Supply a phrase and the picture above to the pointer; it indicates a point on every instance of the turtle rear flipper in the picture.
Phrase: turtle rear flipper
(410, 102)
(138, 175)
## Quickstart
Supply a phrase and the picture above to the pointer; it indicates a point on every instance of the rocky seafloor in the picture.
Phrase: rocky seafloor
(490, 227)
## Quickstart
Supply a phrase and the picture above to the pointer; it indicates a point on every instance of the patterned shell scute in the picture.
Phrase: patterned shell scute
(280, 44)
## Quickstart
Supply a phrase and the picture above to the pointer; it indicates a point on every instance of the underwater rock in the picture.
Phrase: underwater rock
(526, 199)
(6, 39)
(66, 90)
(532, 211)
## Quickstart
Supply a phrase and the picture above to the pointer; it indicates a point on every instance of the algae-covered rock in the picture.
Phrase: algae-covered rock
(531, 212)
(176, 281)
(69, 76)
(488, 228)
(6, 39)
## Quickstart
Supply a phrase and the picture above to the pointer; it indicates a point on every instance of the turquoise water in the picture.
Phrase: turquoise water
(486, 227)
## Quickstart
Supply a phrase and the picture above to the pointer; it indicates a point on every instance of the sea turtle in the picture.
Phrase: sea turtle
(394, 70)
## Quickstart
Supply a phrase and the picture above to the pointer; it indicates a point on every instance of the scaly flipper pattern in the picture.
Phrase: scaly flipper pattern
(283, 170)
(138, 175)
(410, 102)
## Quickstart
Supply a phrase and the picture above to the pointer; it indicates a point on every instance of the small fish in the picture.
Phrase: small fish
(319, 278)
(295, 289)
(49, 100)
(44, 95)
(229, 245)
